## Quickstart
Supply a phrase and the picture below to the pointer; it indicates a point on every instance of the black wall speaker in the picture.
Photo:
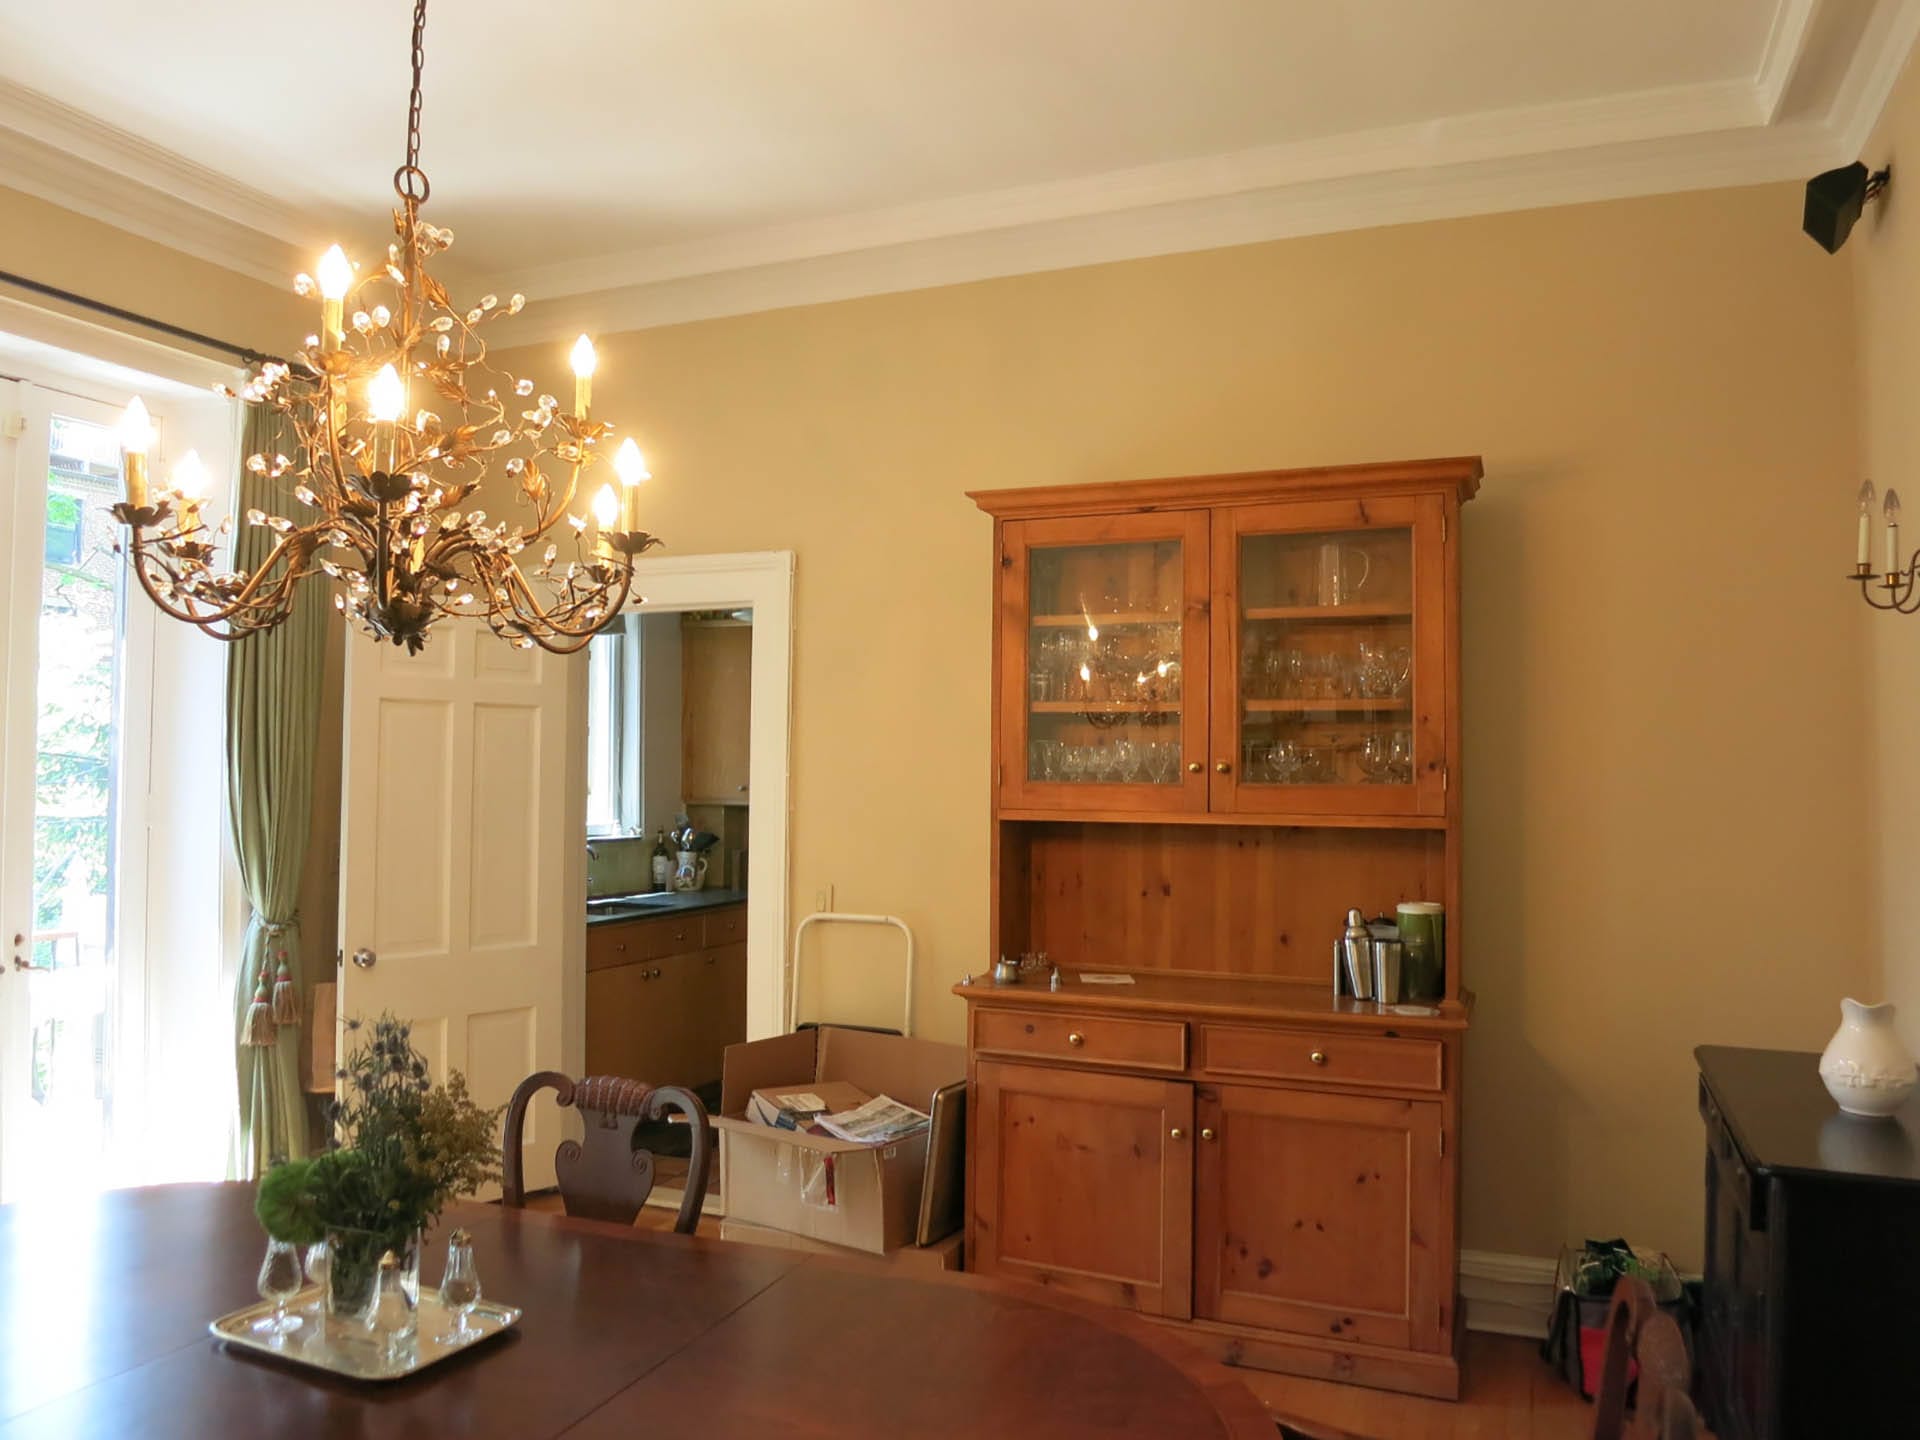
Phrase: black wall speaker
(1834, 202)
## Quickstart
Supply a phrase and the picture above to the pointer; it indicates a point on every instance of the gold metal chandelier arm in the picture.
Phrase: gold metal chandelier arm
(296, 548)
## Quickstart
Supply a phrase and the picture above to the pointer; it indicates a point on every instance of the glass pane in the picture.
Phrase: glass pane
(1326, 658)
(1103, 664)
(76, 760)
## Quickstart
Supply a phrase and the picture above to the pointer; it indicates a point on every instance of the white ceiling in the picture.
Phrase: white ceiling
(661, 159)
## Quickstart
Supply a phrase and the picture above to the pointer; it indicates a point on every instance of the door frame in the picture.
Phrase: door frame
(763, 581)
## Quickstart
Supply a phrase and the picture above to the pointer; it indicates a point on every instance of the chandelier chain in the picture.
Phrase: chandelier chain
(410, 180)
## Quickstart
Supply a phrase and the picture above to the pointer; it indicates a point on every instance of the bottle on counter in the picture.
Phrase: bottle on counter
(662, 860)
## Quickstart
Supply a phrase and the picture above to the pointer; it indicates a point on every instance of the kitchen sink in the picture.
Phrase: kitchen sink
(613, 904)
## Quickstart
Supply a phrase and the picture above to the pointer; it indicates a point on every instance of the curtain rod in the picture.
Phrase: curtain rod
(133, 317)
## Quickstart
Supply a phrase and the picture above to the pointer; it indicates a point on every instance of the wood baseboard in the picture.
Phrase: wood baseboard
(1408, 1372)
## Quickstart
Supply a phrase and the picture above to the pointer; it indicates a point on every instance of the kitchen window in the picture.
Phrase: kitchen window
(613, 742)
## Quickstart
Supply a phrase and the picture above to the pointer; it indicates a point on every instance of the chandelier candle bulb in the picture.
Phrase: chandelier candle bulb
(631, 466)
(335, 274)
(584, 361)
(191, 482)
(386, 398)
(606, 514)
(136, 438)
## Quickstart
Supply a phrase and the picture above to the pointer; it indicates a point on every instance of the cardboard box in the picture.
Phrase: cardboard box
(832, 1096)
(775, 1178)
(911, 1259)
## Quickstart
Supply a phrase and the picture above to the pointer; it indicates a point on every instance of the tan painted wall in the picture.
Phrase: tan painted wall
(1885, 255)
(57, 247)
(1666, 788)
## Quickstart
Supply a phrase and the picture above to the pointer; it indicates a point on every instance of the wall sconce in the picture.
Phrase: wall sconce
(1896, 582)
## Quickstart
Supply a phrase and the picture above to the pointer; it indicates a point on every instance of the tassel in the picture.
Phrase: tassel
(286, 1000)
(258, 1029)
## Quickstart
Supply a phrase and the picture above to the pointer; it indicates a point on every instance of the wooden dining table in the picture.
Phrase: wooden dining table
(105, 1301)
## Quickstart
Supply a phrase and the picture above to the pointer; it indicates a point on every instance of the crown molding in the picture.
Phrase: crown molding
(1877, 65)
(1387, 198)
(1736, 132)
(1456, 141)
(1780, 59)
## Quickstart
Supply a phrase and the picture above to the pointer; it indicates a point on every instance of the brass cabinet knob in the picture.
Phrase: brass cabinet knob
(1177, 1133)
(1076, 1039)
(1194, 767)
(1207, 1134)
(1222, 766)
(1318, 1057)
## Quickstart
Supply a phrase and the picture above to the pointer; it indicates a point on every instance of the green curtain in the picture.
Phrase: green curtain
(273, 712)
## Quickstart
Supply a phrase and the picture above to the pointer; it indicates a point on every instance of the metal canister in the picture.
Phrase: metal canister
(1356, 956)
(1386, 971)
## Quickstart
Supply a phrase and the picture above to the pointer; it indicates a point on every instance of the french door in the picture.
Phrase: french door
(66, 990)
(115, 1049)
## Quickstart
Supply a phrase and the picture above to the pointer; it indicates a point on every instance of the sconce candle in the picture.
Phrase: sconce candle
(1865, 555)
(1893, 531)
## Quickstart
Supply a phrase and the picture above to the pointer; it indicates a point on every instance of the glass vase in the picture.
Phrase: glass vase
(354, 1308)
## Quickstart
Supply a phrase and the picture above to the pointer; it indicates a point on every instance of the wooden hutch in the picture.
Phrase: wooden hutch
(1226, 710)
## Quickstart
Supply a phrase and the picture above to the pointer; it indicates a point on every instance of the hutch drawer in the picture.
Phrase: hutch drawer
(1321, 1057)
(1137, 1044)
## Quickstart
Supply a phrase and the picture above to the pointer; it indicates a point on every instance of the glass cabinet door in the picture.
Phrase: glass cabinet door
(1105, 651)
(1329, 658)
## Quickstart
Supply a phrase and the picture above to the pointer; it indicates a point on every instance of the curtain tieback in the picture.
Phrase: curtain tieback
(280, 1006)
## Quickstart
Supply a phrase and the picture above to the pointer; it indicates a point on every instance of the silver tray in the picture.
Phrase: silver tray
(362, 1359)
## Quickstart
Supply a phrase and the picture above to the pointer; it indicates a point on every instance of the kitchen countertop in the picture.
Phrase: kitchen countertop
(666, 903)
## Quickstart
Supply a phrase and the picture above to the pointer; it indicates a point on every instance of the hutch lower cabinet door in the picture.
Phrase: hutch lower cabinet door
(1321, 1214)
(1085, 1181)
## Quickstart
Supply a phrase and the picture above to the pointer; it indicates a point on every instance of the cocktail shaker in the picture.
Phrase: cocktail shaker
(1356, 957)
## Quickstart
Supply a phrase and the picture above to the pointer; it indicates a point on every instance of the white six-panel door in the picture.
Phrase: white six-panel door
(461, 810)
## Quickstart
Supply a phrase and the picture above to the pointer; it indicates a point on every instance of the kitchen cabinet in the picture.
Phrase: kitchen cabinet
(716, 695)
(662, 1004)
(1225, 710)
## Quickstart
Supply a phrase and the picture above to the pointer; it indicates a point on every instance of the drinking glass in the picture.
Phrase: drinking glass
(1400, 756)
(279, 1282)
(459, 1288)
(1376, 761)
(317, 1261)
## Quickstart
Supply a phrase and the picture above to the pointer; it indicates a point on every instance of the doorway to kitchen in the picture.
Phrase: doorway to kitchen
(685, 769)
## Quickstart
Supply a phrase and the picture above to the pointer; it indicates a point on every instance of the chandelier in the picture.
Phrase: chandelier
(401, 430)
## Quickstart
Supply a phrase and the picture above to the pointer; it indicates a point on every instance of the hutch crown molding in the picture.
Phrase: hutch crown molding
(1226, 711)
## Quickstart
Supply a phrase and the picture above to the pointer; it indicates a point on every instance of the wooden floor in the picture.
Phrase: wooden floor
(1510, 1395)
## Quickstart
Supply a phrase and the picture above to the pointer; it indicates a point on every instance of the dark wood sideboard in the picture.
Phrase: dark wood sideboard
(1812, 1255)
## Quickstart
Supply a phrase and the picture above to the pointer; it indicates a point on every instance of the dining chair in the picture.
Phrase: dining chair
(603, 1176)
(1646, 1353)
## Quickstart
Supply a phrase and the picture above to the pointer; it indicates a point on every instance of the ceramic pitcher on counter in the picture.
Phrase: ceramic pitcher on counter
(689, 870)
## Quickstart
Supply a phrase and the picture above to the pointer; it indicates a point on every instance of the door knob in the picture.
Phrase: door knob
(364, 958)
(1318, 1057)
(1177, 1133)
(1222, 766)
(1194, 767)
(1076, 1039)
(1206, 1134)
